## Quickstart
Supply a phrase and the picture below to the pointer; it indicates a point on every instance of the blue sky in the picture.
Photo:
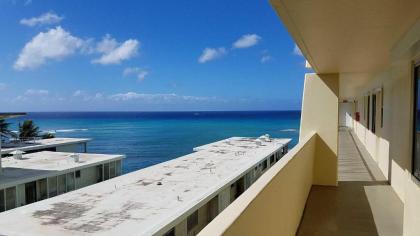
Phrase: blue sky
(146, 56)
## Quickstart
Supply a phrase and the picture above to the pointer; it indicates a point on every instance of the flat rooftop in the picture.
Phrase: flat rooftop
(45, 164)
(41, 144)
(144, 201)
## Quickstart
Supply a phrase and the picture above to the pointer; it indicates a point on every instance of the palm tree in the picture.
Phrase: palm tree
(28, 130)
(4, 129)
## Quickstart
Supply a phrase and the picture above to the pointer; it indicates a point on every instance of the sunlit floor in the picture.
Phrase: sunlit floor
(362, 204)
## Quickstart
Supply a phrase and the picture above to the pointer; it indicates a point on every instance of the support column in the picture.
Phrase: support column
(320, 114)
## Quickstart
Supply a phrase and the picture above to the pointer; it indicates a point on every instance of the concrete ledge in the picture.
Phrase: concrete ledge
(274, 204)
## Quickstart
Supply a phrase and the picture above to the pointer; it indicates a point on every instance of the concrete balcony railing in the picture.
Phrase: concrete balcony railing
(274, 205)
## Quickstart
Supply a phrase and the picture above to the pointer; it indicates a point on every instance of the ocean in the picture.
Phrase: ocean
(149, 138)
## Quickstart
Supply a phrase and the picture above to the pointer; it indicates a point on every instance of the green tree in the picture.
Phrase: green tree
(28, 130)
(4, 129)
(47, 136)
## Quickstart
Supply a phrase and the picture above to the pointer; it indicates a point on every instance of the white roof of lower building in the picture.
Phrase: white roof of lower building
(145, 201)
(41, 144)
(44, 164)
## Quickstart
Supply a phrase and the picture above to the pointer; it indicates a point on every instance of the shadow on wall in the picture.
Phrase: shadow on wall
(325, 164)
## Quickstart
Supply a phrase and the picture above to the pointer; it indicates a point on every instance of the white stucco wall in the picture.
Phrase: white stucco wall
(391, 145)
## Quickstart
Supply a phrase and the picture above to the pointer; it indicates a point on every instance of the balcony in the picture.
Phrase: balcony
(284, 201)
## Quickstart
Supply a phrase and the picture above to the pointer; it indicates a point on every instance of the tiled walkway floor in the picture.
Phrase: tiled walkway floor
(362, 204)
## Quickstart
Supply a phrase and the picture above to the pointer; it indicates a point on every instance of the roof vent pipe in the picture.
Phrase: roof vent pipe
(75, 157)
(17, 154)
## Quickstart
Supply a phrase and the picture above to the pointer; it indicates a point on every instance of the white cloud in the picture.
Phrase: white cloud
(297, 51)
(265, 58)
(246, 41)
(27, 2)
(210, 54)
(31, 95)
(125, 96)
(157, 98)
(19, 98)
(107, 44)
(80, 94)
(140, 73)
(36, 92)
(54, 44)
(48, 18)
(114, 52)
(98, 96)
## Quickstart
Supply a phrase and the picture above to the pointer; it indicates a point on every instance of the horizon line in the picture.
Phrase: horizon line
(68, 111)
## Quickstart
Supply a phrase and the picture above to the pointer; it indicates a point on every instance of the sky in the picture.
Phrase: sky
(146, 56)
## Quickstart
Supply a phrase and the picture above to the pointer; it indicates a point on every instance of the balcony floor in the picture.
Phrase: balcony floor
(362, 204)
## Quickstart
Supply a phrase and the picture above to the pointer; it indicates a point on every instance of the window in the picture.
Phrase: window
(78, 174)
(70, 182)
(285, 149)
(42, 186)
(213, 208)
(373, 128)
(61, 184)
(416, 126)
(118, 167)
(240, 187)
(192, 221)
(2, 205)
(368, 112)
(99, 173)
(171, 232)
(30, 192)
(52, 187)
(112, 169)
(264, 165)
(272, 159)
(10, 198)
(106, 171)
(382, 108)
(365, 108)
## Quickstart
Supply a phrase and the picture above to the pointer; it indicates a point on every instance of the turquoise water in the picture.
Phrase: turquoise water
(148, 138)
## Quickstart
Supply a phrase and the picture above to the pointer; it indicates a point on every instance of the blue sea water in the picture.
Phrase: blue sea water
(148, 138)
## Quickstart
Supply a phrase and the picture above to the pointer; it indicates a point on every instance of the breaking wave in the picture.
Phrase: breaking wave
(288, 130)
(65, 131)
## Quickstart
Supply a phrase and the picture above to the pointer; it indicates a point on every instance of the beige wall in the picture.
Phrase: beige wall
(320, 114)
(266, 207)
(391, 146)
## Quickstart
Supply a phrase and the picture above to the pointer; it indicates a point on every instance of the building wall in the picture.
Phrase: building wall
(224, 197)
(391, 145)
(79, 148)
(346, 113)
(88, 176)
